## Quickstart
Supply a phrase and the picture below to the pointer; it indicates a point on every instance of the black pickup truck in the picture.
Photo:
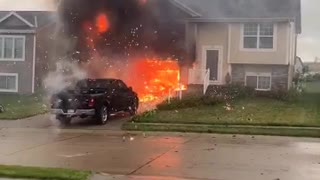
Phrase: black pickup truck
(96, 98)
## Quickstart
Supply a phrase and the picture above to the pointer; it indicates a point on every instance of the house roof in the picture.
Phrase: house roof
(207, 10)
(31, 18)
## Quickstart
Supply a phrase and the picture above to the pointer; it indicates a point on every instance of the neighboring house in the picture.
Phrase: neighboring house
(22, 35)
(313, 67)
(299, 66)
(251, 41)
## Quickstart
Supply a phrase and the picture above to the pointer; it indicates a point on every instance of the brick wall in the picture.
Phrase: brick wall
(279, 74)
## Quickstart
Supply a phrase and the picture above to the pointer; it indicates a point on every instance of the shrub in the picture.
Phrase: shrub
(282, 95)
(144, 115)
(230, 92)
(311, 77)
(189, 102)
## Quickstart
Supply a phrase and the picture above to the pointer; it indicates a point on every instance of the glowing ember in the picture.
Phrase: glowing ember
(102, 23)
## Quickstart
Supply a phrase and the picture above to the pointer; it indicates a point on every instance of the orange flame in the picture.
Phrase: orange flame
(102, 23)
(155, 79)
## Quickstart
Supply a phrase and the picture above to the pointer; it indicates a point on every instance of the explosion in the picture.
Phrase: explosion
(124, 39)
(102, 23)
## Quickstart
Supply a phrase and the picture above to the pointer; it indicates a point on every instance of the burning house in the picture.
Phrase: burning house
(161, 46)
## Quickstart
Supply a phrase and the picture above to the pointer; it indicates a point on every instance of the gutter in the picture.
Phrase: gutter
(185, 8)
(280, 19)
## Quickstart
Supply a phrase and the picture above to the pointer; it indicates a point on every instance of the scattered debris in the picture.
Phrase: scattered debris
(210, 149)
(75, 155)
(234, 136)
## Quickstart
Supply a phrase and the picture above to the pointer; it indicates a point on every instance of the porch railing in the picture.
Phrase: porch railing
(201, 77)
(206, 81)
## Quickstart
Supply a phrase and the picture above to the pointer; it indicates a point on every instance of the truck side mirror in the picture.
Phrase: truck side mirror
(130, 88)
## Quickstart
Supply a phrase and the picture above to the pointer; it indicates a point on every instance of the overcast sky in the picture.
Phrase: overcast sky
(308, 43)
(309, 40)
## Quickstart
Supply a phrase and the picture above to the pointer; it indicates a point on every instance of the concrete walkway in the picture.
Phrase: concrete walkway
(163, 155)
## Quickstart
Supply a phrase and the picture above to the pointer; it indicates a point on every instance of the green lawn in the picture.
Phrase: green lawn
(42, 173)
(253, 111)
(21, 106)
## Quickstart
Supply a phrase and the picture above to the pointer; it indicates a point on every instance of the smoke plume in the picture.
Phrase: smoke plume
(65, 75)
(144, 27)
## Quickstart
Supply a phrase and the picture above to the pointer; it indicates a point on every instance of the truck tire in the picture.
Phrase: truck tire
(102, 115)
(133, 109)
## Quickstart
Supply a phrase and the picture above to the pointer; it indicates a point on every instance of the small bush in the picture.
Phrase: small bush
(189, 102)
(311, 77)
(282, 95)
(232, 91)
(144, 115)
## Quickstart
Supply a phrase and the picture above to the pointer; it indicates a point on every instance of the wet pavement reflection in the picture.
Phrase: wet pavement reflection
(189, 156)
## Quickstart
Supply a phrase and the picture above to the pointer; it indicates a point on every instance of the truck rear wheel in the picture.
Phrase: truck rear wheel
(102, 116)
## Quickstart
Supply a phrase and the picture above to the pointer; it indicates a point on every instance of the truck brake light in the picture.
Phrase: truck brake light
(91, 103)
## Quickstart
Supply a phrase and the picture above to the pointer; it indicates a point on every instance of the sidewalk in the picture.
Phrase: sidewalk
(226, 129)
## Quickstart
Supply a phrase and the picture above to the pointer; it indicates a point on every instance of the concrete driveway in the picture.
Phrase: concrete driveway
(48, 121)
(163, 155)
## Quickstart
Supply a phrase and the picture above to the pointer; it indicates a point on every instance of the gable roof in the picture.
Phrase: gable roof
(242, 9)
(17, 16)
(33, 19)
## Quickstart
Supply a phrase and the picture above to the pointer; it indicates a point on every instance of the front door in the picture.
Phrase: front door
(212, 63)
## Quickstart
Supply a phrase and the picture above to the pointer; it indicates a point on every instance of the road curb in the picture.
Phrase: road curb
(226, 129)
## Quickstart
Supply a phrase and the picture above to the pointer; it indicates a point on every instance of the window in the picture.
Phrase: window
(259, 81)
(258, 36)
(8, 82)
(121, 85)
(12, 48)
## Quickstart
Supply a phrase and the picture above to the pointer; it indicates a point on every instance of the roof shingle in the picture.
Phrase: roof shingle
(223, 9)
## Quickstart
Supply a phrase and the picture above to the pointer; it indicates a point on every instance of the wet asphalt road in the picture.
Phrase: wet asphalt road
(159, 155)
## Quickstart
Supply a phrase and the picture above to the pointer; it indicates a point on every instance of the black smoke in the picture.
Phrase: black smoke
(153, 28)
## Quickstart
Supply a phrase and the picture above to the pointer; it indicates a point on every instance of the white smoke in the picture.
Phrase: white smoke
(65, 75)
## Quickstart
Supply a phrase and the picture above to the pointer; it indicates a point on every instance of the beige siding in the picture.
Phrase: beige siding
(279, 56)
(213, 35)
